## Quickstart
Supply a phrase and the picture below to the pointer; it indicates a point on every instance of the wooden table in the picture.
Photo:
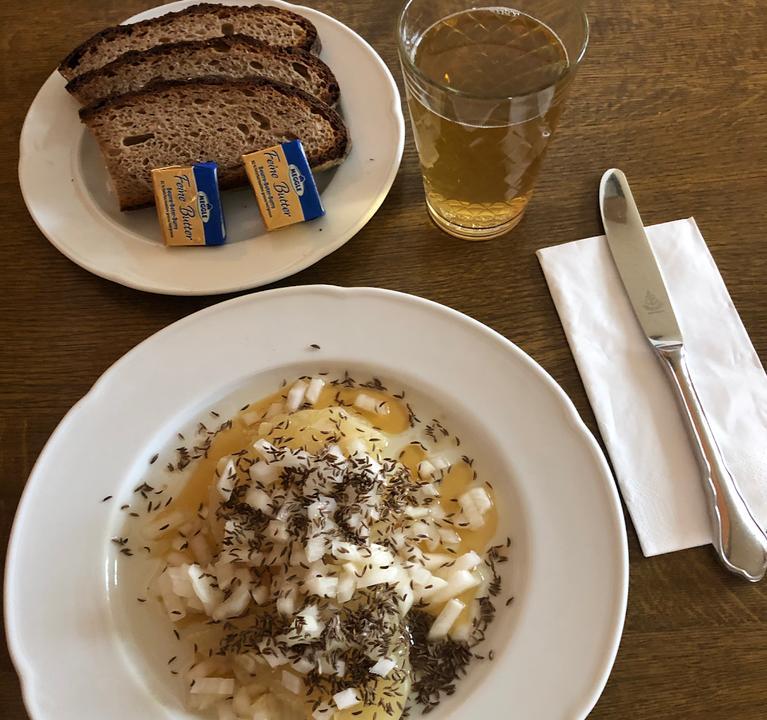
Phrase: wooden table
(673, 91)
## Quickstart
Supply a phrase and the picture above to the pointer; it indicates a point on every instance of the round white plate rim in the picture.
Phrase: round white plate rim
(29, 174)
(621, 593)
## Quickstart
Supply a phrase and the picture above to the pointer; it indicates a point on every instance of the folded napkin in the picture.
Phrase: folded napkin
(633, 402)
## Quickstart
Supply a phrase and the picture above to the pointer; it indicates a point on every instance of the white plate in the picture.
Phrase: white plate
(73, 644)
(65, 185)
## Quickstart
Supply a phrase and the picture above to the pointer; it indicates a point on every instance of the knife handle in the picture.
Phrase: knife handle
(738, 539)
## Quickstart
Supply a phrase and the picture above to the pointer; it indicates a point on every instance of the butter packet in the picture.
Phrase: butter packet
(189, 204)
(284, 185)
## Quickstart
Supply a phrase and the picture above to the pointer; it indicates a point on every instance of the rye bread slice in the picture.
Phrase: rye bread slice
(233, 56)
(179, 122)
(197, 22)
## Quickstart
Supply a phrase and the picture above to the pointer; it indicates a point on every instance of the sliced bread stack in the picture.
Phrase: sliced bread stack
(211, 82)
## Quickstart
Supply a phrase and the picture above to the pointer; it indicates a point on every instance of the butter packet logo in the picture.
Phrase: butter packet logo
(297, 180)
(189, 205)
(284, 185)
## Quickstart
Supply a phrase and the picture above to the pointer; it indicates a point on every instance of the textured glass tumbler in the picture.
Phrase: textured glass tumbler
(485, 89)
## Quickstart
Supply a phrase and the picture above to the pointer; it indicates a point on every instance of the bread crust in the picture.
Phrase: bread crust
(229, 177)
(70, 64)
(330, 96)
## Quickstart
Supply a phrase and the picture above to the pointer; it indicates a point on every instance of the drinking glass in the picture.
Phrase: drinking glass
(485, 88)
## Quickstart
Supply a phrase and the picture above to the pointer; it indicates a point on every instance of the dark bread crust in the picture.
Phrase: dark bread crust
(235, 176)
(223, 42)
(69, 65)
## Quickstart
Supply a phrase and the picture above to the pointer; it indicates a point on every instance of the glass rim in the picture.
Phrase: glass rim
(411, 66)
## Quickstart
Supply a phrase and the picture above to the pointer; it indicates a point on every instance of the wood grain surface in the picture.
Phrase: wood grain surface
(673, 91)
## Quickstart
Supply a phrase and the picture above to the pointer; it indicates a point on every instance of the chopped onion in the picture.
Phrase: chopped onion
(475, 503)
(296, 395)
(448, 536)
(260, 594)
(314, 390)
(458, 582)
(263, 472)
(179, 581)
(252, 417)
(213, 686)
(265, 449)
(303, 666)
(258, 499)
(449, 614)
(347, 584)
(326, 587)
(227, 479)
(346, 699)
(427, 471)
(236, 604)
(365, 402)
(468, 561)
(383, 667)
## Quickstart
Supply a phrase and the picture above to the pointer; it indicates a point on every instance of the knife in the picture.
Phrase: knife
(738, 539)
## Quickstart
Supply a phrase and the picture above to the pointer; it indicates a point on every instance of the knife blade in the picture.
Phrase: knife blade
(737, 537)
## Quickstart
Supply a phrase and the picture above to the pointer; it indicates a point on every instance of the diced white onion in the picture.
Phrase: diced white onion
(258, 499)
(366, 402)
(263, 472)
(314, 390)
(236, 604)
(346, 699)
(427, 471)
(252, 417)
(213, 686)
(475, 503)
(265, 449)
(296, 395)
(468, 561)
(303, 666)
(383, 667)
(449, 614)
(458, 582)
(227, 479)
(326, 587)
(179, 581)
(347, 584)
(448, 536)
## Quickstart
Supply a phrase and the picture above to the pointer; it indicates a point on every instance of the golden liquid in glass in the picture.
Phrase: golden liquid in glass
(481, 141)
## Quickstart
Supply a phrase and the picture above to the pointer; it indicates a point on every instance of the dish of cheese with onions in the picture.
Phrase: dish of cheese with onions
(328, 557)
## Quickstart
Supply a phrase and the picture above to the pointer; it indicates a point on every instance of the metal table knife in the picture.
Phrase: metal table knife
(738, 539)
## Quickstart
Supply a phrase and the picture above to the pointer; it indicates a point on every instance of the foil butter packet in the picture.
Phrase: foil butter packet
(284, 185)
(189, 204)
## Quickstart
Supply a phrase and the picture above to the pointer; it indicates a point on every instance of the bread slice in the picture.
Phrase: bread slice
(234, 56)
(197, 22)
(179, 122)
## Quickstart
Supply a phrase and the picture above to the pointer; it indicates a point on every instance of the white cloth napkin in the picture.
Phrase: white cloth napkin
(631, 396)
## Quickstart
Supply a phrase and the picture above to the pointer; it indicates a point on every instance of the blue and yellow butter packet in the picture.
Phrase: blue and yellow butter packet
(284, 185)
(189, 204)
